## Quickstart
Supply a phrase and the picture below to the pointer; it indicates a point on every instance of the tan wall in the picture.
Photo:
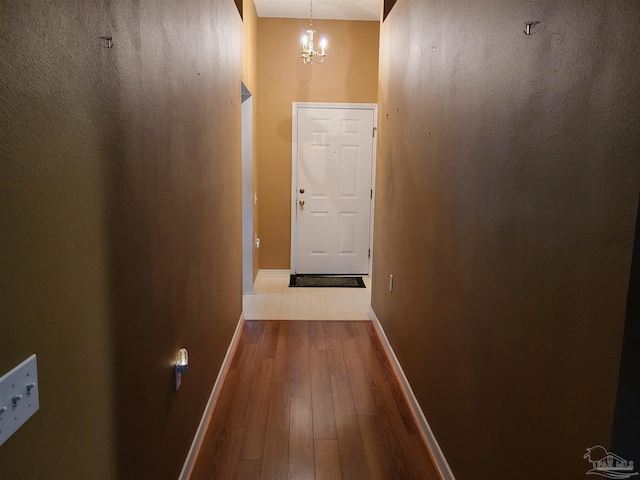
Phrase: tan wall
(250, 46)
(349, 74)
(120, 215)
(507, 189)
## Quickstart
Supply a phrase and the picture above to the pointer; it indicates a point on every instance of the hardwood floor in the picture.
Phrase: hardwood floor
(311, 400)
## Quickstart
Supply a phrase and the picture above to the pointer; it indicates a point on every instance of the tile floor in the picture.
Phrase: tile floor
(275, 300)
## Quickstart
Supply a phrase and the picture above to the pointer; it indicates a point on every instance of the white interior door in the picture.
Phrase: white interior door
(334, 147)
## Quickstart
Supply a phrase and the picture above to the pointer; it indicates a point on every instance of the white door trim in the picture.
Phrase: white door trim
(295, 106)
(247, 191)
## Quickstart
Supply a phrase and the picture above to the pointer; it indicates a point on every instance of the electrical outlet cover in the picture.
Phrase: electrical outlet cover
(19, 397)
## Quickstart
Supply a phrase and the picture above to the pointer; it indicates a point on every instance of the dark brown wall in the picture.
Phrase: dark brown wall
(120, 220)
(507, 187)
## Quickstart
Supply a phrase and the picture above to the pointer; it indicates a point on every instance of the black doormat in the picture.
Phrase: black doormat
(325, 281)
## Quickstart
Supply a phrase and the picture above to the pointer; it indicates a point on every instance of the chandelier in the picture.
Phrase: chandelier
(309, 55)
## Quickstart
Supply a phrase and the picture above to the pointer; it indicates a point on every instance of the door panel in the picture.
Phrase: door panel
(347, 233)
(319, 227)
(334, 164)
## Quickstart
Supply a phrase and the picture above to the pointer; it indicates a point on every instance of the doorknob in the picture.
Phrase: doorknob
(301, 202)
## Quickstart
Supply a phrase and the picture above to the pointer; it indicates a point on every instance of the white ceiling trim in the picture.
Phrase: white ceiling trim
(322, 9)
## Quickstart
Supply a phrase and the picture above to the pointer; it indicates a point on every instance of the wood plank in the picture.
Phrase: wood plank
(358, 380)
(375, 448)
(408, 460)
(379, 369)
(348, 329)
(269, 345)
(231, 454)
(253, 331)
(275, 459)
(213, 454)
(352, 457)
(393, 441)
(218, 458)
(301, 463)
(335, 359)
(247, 470)
(223, 404)
(256, 426)
(316, 336)
(324, 423)
(327, 460)
(421, 457)
(373, 356)
(215, 446)
(237, 355)
(281, 365)
(299, 361)
(237, 415)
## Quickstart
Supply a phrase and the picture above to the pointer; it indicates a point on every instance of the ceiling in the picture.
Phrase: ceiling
(322, 9)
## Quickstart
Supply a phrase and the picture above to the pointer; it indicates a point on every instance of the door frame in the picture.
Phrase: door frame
(248, 234)
(295, 106)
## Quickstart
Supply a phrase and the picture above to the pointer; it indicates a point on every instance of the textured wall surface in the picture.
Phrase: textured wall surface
(349, 74)
(120, 220)
(54, 295)
(507, 188)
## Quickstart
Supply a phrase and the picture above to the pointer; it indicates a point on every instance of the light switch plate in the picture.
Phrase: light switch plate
(19, 397)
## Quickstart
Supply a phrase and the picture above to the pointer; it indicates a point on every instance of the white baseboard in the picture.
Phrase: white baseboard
(425, 430)
(273, 273)
(187, 468)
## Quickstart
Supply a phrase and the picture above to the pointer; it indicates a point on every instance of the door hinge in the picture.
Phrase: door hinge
(371, 194)
(374, 131)
(369, 253)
